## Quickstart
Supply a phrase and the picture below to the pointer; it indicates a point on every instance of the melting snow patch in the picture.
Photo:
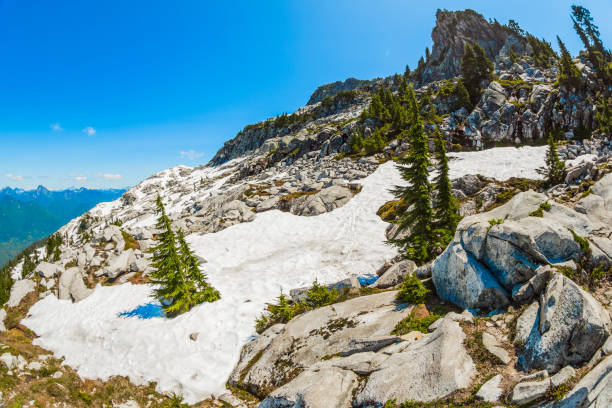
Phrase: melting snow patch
(249, 264)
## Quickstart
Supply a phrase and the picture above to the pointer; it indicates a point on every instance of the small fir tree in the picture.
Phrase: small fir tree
(319, 295)
(569, 76)
(445, 207)
(475, 67)
(202, 291)
(180, 283)
(407, 72)
(553, 171)
(28, 266)
(463, 97)
(417, 219)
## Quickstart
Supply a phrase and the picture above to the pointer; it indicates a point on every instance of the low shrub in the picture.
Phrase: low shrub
(412, 291)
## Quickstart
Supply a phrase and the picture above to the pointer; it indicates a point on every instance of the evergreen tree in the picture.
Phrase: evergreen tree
(587, 30)
(28, 266)
(202, 291)
(475, 67)
(403, 92)
(445, 207)
(484, 64)
(553, 171)
(181, 285)
(513, 25)
(376, 107)
(418, 72)
(407, 73)
(417, 219)
(604, 114)
(463, 97)
(569, 76)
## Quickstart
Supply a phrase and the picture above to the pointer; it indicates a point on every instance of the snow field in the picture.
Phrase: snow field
(249, 264)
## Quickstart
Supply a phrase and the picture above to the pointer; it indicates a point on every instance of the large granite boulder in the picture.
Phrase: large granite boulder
(20, 289)
(316, 388)
(124, 262)
(395, 274)
(282, 352)
(567, 330)
(426, 370)
(72, 287)
(48, 270)
(494, 252)
(324, 201)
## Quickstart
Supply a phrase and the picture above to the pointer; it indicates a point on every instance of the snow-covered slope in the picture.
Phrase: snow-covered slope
(250, 264)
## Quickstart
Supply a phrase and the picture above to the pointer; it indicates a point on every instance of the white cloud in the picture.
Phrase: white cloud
(89, 130)
(56, 127)
(77, 177)
(109, 176)
(13, 177)
(191, 154)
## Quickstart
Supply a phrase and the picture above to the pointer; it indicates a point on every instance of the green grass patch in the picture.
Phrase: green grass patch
(496, 221)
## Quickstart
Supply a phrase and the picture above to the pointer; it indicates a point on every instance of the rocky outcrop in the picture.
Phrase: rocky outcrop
(316, 388)
(439, 360)
(72, 287)
(594, 390)
(312, 337)
(20, 289)
(330, 90)
(569, 327)
(324, 201)
(315, 360)
(395, 274)
(494, 253)
(453, 30)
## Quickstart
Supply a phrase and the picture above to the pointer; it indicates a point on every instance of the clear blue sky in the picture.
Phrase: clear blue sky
(105, 93)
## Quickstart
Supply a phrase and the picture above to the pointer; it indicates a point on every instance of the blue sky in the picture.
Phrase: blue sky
(105, 93)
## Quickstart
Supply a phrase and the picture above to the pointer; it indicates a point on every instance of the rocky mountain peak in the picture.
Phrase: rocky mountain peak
(454, 29)
(332, 89)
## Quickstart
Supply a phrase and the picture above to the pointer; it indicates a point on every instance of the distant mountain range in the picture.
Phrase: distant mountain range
(29, 215)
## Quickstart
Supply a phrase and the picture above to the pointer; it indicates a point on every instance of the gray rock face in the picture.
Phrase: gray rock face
(491, 390)
(562, 376)
(526, 323)
(493, 252)
(492, 345)
(526, 392)
(395, 274)
(460, 278)
(2, 319)
(468, 184)
(72, 287)
(124, 262)
(20, 289)
(48, 270)
(309, 337)
(593, 390)
(569, 328)
(362, 345)
(318, 388)
(324, 201)
(426, 370)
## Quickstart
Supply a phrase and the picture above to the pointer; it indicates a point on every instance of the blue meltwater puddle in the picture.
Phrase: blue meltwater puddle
(147, 311)
(366, 280)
